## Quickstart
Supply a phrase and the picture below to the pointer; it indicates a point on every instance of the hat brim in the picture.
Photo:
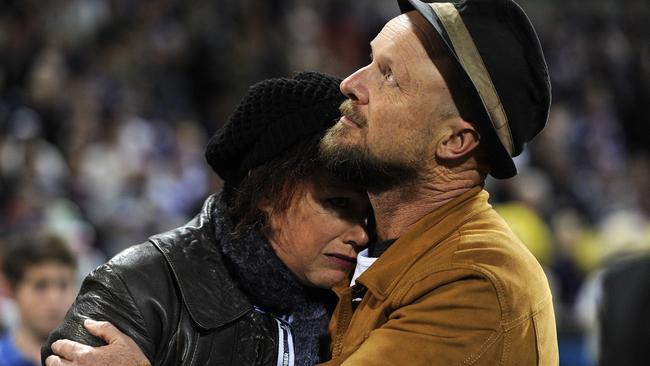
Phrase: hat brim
(501, 164)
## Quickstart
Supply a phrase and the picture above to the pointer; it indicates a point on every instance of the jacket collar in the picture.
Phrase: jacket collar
(208, 291)
(382, 277)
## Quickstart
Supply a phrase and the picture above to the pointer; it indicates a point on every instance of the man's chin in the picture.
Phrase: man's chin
(341, 133)
(338, 143)
(353, 163)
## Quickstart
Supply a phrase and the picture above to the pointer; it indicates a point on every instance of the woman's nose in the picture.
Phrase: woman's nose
(357, 236)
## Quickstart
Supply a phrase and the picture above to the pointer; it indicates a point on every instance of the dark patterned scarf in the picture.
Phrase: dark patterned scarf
(271, 286)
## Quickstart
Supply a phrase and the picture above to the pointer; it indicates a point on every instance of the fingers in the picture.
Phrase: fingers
(57, 361)
(121, 349)
(68, 349)
(103, 330)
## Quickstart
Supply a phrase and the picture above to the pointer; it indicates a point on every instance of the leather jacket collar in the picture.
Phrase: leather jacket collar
(208, 291)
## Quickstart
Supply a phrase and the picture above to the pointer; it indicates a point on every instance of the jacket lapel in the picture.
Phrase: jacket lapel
(208, 291)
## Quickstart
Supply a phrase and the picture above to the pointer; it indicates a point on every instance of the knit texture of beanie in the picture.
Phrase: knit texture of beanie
(273, 115)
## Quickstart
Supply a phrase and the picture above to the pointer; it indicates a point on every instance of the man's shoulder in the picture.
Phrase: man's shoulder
(483, 238)
(489, 243)
(470, 240)
(485, 248)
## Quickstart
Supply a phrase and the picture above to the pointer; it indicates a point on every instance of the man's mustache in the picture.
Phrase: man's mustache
(349, 110)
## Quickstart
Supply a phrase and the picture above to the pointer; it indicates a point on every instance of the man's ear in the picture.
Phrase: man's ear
(461, 139)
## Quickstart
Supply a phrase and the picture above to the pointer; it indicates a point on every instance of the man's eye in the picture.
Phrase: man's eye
(340, 202)
(390, 76)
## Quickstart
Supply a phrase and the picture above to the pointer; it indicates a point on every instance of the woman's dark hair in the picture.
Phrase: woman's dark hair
(276, 182)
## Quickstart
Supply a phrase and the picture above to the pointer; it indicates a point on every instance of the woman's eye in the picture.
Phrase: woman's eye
(340, 202)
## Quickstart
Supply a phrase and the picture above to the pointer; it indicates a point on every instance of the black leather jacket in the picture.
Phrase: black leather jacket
(177, 311)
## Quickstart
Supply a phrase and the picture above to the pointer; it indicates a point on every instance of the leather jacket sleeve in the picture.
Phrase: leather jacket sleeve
(103, 296)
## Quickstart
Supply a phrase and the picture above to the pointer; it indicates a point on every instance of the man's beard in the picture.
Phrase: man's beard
(356, 164)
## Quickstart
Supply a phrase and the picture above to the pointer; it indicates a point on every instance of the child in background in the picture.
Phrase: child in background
(39, 271)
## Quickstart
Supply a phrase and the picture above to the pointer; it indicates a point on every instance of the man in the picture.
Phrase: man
(453, 92)
(40, 271)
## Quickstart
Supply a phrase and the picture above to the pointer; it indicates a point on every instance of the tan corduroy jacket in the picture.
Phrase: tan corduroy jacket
(458, 288)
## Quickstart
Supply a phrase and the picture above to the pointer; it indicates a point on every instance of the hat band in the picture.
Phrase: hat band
(472, 63)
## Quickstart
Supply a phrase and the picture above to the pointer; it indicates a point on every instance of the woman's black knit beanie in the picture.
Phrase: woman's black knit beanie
(273, 115)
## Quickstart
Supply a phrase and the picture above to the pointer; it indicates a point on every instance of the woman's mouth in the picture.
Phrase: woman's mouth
(342, 260)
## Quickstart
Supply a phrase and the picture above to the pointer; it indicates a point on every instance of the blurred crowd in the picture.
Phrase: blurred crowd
(106, 106)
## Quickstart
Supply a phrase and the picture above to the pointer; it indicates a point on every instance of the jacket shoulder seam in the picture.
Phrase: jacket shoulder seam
(115, 270)
(538, 308)
(140, 319)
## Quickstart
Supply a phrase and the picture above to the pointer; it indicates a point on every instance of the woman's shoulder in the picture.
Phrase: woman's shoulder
(140, 269)
(138, 256)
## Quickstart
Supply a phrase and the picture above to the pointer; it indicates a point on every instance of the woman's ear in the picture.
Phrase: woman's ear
(462, 138)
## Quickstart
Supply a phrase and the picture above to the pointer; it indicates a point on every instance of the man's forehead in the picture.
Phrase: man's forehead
(393, 28)
(400, 32)
(400, 29)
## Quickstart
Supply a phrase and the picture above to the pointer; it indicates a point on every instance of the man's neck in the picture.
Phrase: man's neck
(398, 208)
(28, 343)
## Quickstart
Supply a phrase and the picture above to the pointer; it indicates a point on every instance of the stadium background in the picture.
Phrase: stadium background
(106, 105)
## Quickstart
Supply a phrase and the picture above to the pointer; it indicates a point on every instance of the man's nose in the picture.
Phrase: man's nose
(354, 87)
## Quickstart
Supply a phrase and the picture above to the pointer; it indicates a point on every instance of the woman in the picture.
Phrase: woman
(242, 283)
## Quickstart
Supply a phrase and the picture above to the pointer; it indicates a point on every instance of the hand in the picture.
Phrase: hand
(120, 350)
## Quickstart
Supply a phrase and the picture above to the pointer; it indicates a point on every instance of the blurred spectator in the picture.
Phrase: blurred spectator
(624, 319)
(612, 305)
(40, 273)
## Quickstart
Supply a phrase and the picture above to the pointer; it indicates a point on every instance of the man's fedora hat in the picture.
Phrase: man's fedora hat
(501, 68)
